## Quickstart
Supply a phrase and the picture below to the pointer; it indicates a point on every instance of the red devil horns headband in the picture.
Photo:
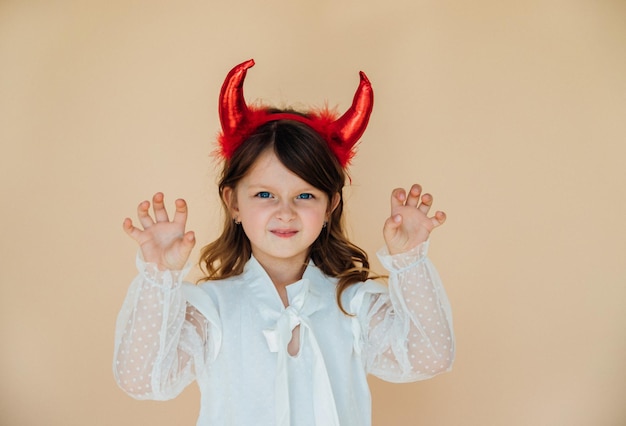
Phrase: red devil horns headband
(239, 120)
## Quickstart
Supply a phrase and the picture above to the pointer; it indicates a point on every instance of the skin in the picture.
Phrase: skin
(281, 214)
(166, 243)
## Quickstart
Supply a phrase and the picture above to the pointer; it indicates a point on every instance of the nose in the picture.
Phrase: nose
(286, 211)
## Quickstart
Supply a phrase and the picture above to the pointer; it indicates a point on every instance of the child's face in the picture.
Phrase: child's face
(281, 214)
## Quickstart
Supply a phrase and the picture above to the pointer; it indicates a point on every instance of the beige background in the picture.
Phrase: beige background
(512, 113)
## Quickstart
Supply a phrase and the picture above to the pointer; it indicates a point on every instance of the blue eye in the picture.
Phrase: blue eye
(264, 194)
(305, 196)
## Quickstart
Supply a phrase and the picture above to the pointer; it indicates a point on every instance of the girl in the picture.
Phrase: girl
(288, 322)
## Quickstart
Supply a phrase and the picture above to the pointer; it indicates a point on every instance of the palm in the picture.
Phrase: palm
(409, 224)
(162, 241)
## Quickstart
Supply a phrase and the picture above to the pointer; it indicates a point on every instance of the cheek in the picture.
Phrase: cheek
(254, 215)
(257, 215)
(316, 215)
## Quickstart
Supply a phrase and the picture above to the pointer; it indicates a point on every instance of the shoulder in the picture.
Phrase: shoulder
(222, 287)
(354, 296)
(321, 283)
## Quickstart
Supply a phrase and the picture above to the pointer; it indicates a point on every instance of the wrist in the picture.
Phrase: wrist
(402, 260)
(161, 275)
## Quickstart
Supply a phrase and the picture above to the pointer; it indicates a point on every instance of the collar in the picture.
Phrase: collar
(304, 300)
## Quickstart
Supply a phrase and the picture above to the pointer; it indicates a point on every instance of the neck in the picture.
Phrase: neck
(282, 276)
(283, 272)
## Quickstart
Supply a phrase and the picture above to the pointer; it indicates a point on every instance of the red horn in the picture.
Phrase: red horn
(238, 120)
(233, 110)
(348, 128)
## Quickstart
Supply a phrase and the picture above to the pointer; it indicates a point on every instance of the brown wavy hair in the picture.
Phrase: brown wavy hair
(305, 153)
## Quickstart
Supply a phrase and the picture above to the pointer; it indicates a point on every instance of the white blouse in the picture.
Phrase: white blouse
(231, 336)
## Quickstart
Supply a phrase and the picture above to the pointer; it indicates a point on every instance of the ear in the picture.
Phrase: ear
(230, 199)
(334, 202)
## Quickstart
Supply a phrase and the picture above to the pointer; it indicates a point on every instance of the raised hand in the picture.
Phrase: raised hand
(162, 241)
(409, 224)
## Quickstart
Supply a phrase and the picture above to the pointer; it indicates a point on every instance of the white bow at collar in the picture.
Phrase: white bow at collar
(297, 313)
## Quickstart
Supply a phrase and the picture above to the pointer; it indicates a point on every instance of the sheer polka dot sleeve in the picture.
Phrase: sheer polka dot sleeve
(159, 338)
(407, 331)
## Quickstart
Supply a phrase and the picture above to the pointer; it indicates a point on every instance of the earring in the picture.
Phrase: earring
(324, 225)
(236, 221)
